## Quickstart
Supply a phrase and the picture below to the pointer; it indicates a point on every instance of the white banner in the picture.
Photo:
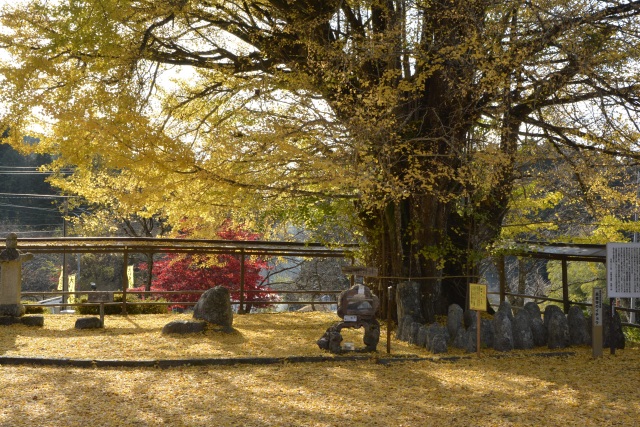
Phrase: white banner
(623, 270)
(130, 277)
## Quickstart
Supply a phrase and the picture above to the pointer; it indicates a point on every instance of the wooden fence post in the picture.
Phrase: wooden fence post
(241, 308)
(565, 286)
(125, 281)
(503, 278)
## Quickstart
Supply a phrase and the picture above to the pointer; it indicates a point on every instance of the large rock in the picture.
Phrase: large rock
(421, 339)
(557, 327)
(404, 329)
(460, 340)
(436, 336)
(503, 333)
(214, 306)
(533, 309)
(548, 311)
(538, 331)
(408, 301)
(439, 344)
(471, 339)
(183, 327)
(486, 336)
(578, 327)
(486, 333)
(522, 334)
(538, 328)
(413, 332)
(618, 336)
(470, 318)
(505, 307)
(455, 319)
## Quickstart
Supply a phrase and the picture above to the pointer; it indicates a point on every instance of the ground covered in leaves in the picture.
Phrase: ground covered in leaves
(514, 389)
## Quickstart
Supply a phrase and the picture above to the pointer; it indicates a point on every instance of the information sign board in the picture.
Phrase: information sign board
(477, 297)
(623, 270)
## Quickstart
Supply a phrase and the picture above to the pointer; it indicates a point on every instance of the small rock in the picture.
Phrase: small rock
(88, 323)
(183, 327)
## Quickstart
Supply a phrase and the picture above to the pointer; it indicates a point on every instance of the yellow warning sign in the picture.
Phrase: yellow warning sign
(477, 297)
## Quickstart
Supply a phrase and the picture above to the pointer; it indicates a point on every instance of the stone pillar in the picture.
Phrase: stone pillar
(11, 260)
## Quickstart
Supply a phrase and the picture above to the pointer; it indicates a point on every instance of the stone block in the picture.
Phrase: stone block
(183, 327)
(88, 323)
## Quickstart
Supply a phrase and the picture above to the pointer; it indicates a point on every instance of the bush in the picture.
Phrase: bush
(132, 307)
(631, 334)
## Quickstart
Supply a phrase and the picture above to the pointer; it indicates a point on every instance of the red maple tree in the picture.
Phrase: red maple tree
(182, 272)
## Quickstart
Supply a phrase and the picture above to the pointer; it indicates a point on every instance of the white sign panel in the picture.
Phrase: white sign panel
(623, 270)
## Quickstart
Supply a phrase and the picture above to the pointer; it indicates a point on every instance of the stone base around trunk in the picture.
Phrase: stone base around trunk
(12, 310)
(22, 320)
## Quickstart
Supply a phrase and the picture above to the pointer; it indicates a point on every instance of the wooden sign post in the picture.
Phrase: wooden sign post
(596, 322)
(478, 302)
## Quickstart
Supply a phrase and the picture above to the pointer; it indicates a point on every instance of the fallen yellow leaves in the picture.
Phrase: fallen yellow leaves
(140, 337)
(513, 391)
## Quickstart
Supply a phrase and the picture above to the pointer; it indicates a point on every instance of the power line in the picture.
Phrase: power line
(46, 196)
(35, 173)
(29, 207)
(49, 225)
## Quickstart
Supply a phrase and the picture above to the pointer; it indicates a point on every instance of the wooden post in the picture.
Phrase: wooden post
(478, 324)
(477, 301)
(389, 300)
(612, 326)
(125, 282)
(596, 322)
(503, 277)
(241, 308)
(565, 286)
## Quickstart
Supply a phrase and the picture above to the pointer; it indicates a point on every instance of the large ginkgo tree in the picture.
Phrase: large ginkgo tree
(408, 120)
